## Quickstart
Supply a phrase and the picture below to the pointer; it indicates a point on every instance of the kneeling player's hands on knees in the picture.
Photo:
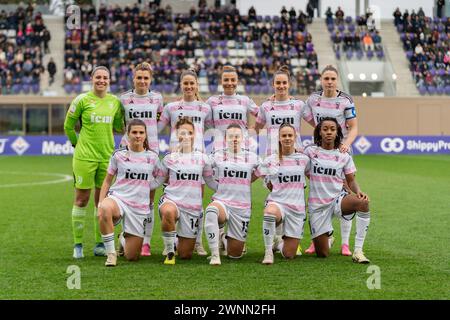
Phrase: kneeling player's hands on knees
(363, 196)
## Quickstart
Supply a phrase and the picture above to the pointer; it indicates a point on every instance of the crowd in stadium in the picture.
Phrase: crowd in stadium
(425, 41)
(122, 37)
(354, 38)
(24, 41)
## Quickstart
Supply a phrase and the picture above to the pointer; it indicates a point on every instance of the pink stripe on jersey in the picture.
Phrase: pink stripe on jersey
(349, 170)
(234, 181)
(325, 179)
(320, 200)
(328, 105)
(133, 204)
(233, 203)
(122, 159)
(112, 171)
(133, 182)
(188, 108)
(288, 185)
(289, 162)
(184, 205)
(224, 122)
(150, 122)
(185, 183)
(284, 107)
(186, 162)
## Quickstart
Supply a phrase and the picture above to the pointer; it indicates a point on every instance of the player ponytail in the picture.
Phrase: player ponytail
(318, 128)
(329, 67)
(140, 123)
(282, 70)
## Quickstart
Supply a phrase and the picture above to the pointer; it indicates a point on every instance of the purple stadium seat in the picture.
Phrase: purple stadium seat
(224, 53)
(348, 19)
(409, 54)
(275, 19)
(440, 89)
(436, 20)
(422, 90)
(359, 54)
(351, 27)
(400, 27)
(158, 87)
(35, 88)
(266, 89)
(215, 53)
(341, 28)
(257, 89)
(77, 87)
(447, 89)
(369, 54)
(330, 27)
(431, 89)
(207, 52)
(168, 88)
(338, 55)
(349, 54)
(223, 44)
(259, 18)
(259, 53)
(380, 54)
(248, 89)
(113, 88)
(212, 88)
(68, 88)
(433, 72)
(267, 19)
(441, 72)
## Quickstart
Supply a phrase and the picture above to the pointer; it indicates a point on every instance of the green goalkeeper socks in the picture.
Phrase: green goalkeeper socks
(78, 221)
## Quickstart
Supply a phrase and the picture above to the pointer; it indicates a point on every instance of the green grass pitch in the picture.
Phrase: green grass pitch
(408, 240)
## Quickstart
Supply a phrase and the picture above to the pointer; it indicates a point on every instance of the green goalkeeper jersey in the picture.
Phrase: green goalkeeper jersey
(98, 117)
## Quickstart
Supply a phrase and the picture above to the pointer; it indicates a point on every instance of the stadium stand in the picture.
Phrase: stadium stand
(24, 41)
(426, 43)
(357, 38)
(206, 38)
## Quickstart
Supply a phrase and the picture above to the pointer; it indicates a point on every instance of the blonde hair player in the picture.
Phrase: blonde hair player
(180, 207)
(199, 112)
(141, 103)
(279, 109)
(127, 200)
(285, 204)
(331, 102)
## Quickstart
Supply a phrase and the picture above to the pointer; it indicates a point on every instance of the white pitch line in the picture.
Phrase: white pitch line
(64, 178)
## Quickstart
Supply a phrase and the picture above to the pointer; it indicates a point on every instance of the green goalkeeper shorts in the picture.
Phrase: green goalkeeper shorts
(88, 174)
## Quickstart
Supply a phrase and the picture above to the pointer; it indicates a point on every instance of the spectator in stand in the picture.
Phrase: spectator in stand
(339, 14)
(377, 41)
(51, 68)
(310, 11)
(440, 4)
(329, 16)
(368, 42)
(397, 16)
(252, 14)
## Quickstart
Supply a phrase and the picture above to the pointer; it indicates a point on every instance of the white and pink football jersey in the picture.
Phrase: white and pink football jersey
(200, 114)
(134, 172)
(342, 108)
(229, 109)
(328, 170)
(145, 108)
(185, 172)
(234, 174)
(274, 113)
(288, 179)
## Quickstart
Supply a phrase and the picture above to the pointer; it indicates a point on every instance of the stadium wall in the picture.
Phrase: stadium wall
(427, 116)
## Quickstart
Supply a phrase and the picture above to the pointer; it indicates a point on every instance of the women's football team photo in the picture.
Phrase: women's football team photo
(125, 179)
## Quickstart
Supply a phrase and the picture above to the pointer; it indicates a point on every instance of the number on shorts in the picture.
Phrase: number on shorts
(244, 226)
(194, 223)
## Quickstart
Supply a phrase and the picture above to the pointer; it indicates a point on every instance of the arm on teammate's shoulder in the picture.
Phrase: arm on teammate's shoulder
(105, 186)
(211, 182)
(119, 119)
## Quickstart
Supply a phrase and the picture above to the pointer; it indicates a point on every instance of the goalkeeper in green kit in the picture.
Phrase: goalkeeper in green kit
(99, 113)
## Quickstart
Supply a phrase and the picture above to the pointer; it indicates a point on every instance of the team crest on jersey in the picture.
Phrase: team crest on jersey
(337, 105)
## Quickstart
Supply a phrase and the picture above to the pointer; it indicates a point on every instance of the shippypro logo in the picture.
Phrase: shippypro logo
(20, 145)
(2, 145)
(362, 145)
(392, 145)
